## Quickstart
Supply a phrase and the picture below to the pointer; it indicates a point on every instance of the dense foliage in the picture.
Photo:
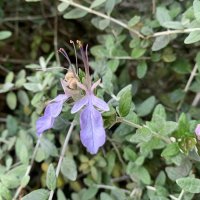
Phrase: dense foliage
(147, 56)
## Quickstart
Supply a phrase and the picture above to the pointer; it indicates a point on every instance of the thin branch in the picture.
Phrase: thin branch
(56, 38)
(153, 6)
(89, 10)
(2, 140)
(165, 139)
(196, 99)
(171, 196)
(110, 187)
(119, 119)
(4, 69)
(121, 178)
(62, 154)
(192, 75)
(117, 151)
(28, 170)
(122, 120)
(127, 58)
(169, 32)
(15, 61)
(181, 195)
(26, 18)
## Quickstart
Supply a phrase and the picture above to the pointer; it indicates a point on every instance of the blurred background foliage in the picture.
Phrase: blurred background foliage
(147, 55)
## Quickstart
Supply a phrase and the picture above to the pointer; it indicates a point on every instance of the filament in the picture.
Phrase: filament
(63, 52)
(72, 42)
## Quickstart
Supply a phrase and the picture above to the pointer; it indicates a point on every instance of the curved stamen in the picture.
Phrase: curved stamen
(85, 61)
(63, 52)
(72, 42)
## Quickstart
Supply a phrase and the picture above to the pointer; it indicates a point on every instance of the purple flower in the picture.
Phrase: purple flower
(52, 111)
(197, 131)
(92, 131)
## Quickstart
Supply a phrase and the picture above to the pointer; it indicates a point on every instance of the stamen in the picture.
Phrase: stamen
(84, 58)
(86, 54)
(79, 43)
(72, 42)
(63, 52)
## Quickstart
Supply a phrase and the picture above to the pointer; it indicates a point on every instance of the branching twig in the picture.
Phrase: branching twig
(110, 187)
(153, 6)
(26, 18)
(62, 154)
(89, 10)
(122, 120)
(117, 151)
(56, 38)
(169, 32)
(192, 75)
(4, 69)
(196, 99)
(127, 58)
(15, 61)
(128, 122)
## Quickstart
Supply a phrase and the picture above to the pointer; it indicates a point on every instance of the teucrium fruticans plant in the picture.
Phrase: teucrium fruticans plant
(144, 52)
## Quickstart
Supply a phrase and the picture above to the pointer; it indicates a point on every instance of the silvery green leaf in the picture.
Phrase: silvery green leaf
(196, 7)
(9, 78)
(141, 69)
(25, 180)
(105, 196)
(48, 147)
(68, 168)
(10, 181)
(23, 97)
(75, 14)
(133, 21)
(40, 194)
(21, 151)
(51, 178)
(5, 34)
(4, 192)
(34, 87)
(11, 100)
(62, 6)
(97, 3)
(173, 25)
(60, 195)
(125, 102)
(192, 37)
(160, 42)
(6, 87)
(146, 106)
(162, 15)
(189, 184)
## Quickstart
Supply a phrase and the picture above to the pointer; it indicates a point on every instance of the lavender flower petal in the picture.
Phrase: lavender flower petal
(44, 123)
(95, 84)
(197, 131)
(92, 132)
(79, 104)
(99, 103)
(61, 97)
(52, 111)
